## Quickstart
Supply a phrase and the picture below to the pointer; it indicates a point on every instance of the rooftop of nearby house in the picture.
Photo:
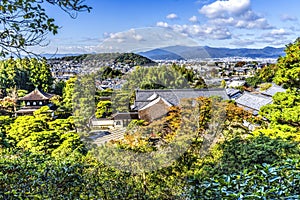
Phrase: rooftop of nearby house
(253, 101)
(173, 96)
(36, 95)
(273, 90)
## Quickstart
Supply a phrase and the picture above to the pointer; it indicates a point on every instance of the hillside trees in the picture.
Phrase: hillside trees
(163, 77)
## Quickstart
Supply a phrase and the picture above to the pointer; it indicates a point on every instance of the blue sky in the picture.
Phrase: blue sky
(134, 25)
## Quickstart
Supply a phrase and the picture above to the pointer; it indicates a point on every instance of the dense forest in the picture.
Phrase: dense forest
(42, 157)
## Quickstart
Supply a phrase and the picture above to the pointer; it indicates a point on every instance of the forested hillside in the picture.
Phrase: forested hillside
(124, 58)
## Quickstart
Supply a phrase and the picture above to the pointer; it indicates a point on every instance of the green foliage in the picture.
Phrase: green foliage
(59, 87)
(105, 93)
(284, 110)
(8, 104)
(289, 66)
(223, 84)
(225, 160)
(267, 73)
(22, 93)
(134, 123)
(133, 59)
(103, 109)
(174, 77)
(68, 92)
(264, 181)
(5, 122)
(240, 154)
(25, 23)
(25, 74)
(253, 81)
(130, 59)
(265, 86)
(41, 134)
(30, 176)
(83, 101)
(264, 75)
(108, 72)
(23, 126)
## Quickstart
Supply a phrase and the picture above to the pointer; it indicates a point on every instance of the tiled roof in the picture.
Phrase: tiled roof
(233, 93)
(173, 96)
(273, 90)
(155, 101)
(253, 101)
(37, 95)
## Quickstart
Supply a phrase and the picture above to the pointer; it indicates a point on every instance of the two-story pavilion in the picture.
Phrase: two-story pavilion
(33, 101)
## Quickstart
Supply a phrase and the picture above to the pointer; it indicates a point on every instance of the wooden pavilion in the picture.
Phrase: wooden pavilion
(33, 101)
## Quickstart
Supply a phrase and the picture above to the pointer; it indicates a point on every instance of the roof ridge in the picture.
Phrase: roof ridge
(182, 89)
(36, 92)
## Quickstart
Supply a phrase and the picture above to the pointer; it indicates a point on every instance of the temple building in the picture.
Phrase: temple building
(154, 104)
(33, 101)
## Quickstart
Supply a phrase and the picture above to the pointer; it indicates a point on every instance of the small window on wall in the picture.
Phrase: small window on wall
(28, 103)
(118, 123)
(34, 103)
(40, 103)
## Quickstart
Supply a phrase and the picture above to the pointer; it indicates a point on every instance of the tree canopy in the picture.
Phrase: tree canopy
(25, 74)
(25, 23)
(288, 72)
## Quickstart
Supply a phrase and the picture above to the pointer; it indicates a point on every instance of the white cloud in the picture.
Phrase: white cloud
(235, 13)
(193, 19)
(162, 24)
(273, 41)
(286, 17)
(135, 40)
(172, 16)
(279, 32)
(219, 9)
(243, 42)
(294, 29)
(260, 23)
(121, 37)
(137, 37)
(202, 32)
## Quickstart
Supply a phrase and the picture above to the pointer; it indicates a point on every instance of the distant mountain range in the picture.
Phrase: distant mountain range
(201, 52)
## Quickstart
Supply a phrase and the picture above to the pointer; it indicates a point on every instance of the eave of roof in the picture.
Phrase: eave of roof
(37, 95)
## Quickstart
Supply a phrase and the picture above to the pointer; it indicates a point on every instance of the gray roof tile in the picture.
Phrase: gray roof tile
(173, 96)
(273, 90)
(253, 101)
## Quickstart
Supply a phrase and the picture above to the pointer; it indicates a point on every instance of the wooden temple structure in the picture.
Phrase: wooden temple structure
(33, 101)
